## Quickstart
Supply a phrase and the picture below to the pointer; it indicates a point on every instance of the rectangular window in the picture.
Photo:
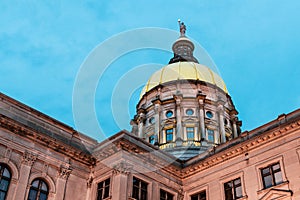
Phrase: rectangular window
(210, 135)
(152, 139)
(190, 133)
(139, 189)
(233, 189)
(164, 195)
(169, 135)
(199, 196)
(103, 189)
(271, 175)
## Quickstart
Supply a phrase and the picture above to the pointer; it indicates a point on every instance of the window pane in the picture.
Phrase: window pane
(170, 197)
(44, 187)
(266, 171)
(199, 196)
(4, 185)
(238, 192)
(278, 178)
(276, 167)
(32, 194)
(107, 182)
(152, 139)
(162, 195)
(144, 195)
(100, 194)
(194, 197)
(6, 173)
(268, 181)
(106, 192)
(169, 135)
(211, 135)
(237, 182)
(35, 183)
(135, 192)
(43, 196)
(2, 195)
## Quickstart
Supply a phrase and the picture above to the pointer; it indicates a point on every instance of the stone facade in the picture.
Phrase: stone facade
(34, 145)
(42, 158)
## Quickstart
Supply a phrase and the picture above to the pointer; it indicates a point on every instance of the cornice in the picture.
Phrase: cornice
(45, 140)
(237, 149)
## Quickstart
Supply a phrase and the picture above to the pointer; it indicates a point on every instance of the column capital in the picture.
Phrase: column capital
(28, 158)
(64, 172)
(178, 97)
(89, 181)
(122, 168)
(201, 97)
(156, 100)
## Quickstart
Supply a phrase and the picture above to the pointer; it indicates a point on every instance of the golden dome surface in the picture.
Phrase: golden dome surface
(184, 71)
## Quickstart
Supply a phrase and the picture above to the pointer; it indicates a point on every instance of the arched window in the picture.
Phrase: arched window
(5, 177)
(38, 190)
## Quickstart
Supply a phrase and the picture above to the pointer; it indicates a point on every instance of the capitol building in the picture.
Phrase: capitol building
(186, 143)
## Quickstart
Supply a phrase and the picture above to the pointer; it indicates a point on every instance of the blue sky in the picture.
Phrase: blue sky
(254, 43)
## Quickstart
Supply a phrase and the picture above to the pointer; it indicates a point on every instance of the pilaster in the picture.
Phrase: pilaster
(121, 173)
(61, 182)
(201, 99)
(25, 168)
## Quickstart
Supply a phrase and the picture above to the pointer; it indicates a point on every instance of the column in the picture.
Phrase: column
(234, 120)
(201, 99)
(221, 121)
(157, 122)
(121, 173)
(141, 124)
(27, 162)
(61, 182)
(89, 183)
(179, 132)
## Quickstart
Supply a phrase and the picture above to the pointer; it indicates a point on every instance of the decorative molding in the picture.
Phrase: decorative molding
(64, 172)
(28, 158)
(238, 149)
(45, 140)
(89, 181)
(122, 168)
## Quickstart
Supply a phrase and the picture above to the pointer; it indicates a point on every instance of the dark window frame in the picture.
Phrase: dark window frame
(164, 195)
(199, 196)
(170, 132)
(103, 189)
(210, 132)
(231, 192)
(139, 189)
(271, 173)
(5, 168)
(190, 131)
(39, 190)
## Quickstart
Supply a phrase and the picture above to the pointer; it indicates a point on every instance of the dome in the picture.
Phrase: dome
(184, 71)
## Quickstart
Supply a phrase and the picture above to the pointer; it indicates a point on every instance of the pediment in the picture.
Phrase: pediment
(277, 194)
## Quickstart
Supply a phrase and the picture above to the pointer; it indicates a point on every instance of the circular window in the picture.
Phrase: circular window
(209, 114)
(152, 120)
(189, 112)
(169, 114)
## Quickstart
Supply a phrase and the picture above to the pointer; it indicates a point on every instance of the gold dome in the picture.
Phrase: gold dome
(184, 71)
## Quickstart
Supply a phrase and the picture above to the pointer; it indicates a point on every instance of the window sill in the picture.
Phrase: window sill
(285, 183)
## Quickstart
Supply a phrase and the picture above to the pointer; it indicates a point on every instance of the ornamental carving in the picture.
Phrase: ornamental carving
(28, 158)
(122, 168)
(64, 172)
(90, 181)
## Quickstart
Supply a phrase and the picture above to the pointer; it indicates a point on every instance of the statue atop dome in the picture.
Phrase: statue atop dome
(182, 28)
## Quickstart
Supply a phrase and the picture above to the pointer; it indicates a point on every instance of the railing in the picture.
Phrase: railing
(188, 143)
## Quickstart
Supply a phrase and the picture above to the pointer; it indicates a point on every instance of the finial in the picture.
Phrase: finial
(182, 28)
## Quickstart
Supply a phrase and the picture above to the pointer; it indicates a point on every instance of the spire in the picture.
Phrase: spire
(183, 47)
